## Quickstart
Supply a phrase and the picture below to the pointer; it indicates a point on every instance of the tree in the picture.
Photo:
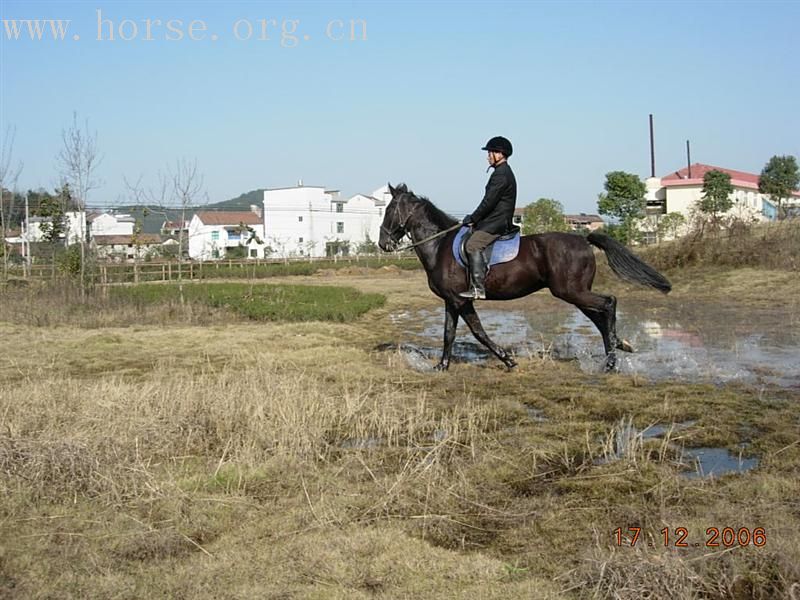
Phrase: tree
(187, 184)
(79, 160)
(8, 181)
(367, 246)
(183, 185)
(717, 190)
(542, 216)
(779, 177)
(624, 199)
(670, 224)
(54, 219)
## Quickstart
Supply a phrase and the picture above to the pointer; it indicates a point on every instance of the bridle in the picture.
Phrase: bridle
(396, 234)
(399, 230)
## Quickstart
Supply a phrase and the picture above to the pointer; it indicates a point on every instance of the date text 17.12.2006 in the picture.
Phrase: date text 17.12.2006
(679, 537)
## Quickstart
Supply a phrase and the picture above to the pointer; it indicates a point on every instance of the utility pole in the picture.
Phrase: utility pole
(26, 243)
(688, 159)
(652, 150)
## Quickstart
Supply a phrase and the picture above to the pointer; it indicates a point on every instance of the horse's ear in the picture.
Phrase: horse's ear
(402, 188)
(392, 191)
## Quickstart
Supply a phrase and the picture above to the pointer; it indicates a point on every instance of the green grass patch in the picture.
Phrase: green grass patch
(262, 302)
(222, 270)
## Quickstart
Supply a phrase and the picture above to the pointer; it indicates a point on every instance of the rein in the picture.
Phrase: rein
(429, 238)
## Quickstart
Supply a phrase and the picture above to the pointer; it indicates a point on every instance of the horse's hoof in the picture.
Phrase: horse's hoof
(625, 346)
(441, 367)
(510, 364)
(611, 365)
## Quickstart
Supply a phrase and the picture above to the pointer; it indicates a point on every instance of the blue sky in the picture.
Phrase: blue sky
(571, 84)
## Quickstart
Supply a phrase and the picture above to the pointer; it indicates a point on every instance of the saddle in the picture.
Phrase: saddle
(502, 250)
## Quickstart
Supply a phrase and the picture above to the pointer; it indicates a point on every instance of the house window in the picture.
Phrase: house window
(650, 237)
(253, 253)
(215, 235)
(339, 227)
(299, 219)
(299, 240)
(339, 207)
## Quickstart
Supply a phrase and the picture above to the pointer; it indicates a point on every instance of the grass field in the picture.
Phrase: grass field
(258, 302)
(162, 450)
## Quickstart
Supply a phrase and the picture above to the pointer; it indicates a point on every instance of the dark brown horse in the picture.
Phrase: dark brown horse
(562, 262)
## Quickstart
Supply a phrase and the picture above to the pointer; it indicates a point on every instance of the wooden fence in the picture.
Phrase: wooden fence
(141, 272)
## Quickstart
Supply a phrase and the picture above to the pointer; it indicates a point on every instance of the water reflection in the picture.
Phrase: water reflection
(715, 462)
(694, 345)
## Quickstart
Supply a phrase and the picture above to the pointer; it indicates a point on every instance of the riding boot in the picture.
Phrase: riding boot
(477, 272)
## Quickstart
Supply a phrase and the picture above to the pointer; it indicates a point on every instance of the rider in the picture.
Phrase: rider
(494, 215)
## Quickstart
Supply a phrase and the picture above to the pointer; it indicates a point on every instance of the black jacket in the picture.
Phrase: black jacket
(495, 213)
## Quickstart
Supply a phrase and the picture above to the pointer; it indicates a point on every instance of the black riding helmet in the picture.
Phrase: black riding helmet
(499, 144)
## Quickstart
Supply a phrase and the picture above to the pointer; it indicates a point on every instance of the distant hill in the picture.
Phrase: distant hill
(152, 217)
(241, 202)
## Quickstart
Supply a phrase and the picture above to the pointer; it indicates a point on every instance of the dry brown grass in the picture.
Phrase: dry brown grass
(292, 461)
(772, 246)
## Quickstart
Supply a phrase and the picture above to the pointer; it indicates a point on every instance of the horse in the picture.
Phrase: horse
(562, 262)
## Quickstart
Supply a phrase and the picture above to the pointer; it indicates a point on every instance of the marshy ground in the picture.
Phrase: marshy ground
(186, 452)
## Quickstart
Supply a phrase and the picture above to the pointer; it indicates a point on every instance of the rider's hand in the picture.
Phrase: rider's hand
(467, 220)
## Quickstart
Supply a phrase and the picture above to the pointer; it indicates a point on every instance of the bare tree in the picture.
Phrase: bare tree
(153, 200)
(187, 186)
(79, 160)
(179, 189)
(8, 184)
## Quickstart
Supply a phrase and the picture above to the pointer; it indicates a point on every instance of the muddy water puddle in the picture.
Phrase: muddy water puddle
(693, 462)
(687, 343)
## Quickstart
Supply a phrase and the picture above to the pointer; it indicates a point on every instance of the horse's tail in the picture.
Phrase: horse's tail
(626, 265)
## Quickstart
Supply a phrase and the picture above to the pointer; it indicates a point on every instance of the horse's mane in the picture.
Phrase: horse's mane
(435, 215)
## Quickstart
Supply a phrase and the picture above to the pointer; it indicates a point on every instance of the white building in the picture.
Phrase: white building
(127, 247)
(74, 228)
(681, 192)
(110, 224)
(213, 233)
(314, 221)
(174, 228)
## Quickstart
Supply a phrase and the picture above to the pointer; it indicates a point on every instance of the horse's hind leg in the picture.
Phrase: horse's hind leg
(605, 321)
(450, 324)
(611, 325)
(472, 320)
(602, 311)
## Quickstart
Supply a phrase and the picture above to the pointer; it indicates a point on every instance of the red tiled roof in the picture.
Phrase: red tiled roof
(175, 225)
(699, 170)
(738, 178)
(231, 217)
(143, 239)
(584, 218)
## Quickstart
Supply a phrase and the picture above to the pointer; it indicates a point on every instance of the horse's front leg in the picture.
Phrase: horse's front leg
(469, 315)
(450, 324)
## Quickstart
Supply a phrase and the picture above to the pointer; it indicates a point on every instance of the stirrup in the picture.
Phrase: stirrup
(474, 294)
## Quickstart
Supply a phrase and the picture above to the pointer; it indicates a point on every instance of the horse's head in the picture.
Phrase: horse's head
(395, 220)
